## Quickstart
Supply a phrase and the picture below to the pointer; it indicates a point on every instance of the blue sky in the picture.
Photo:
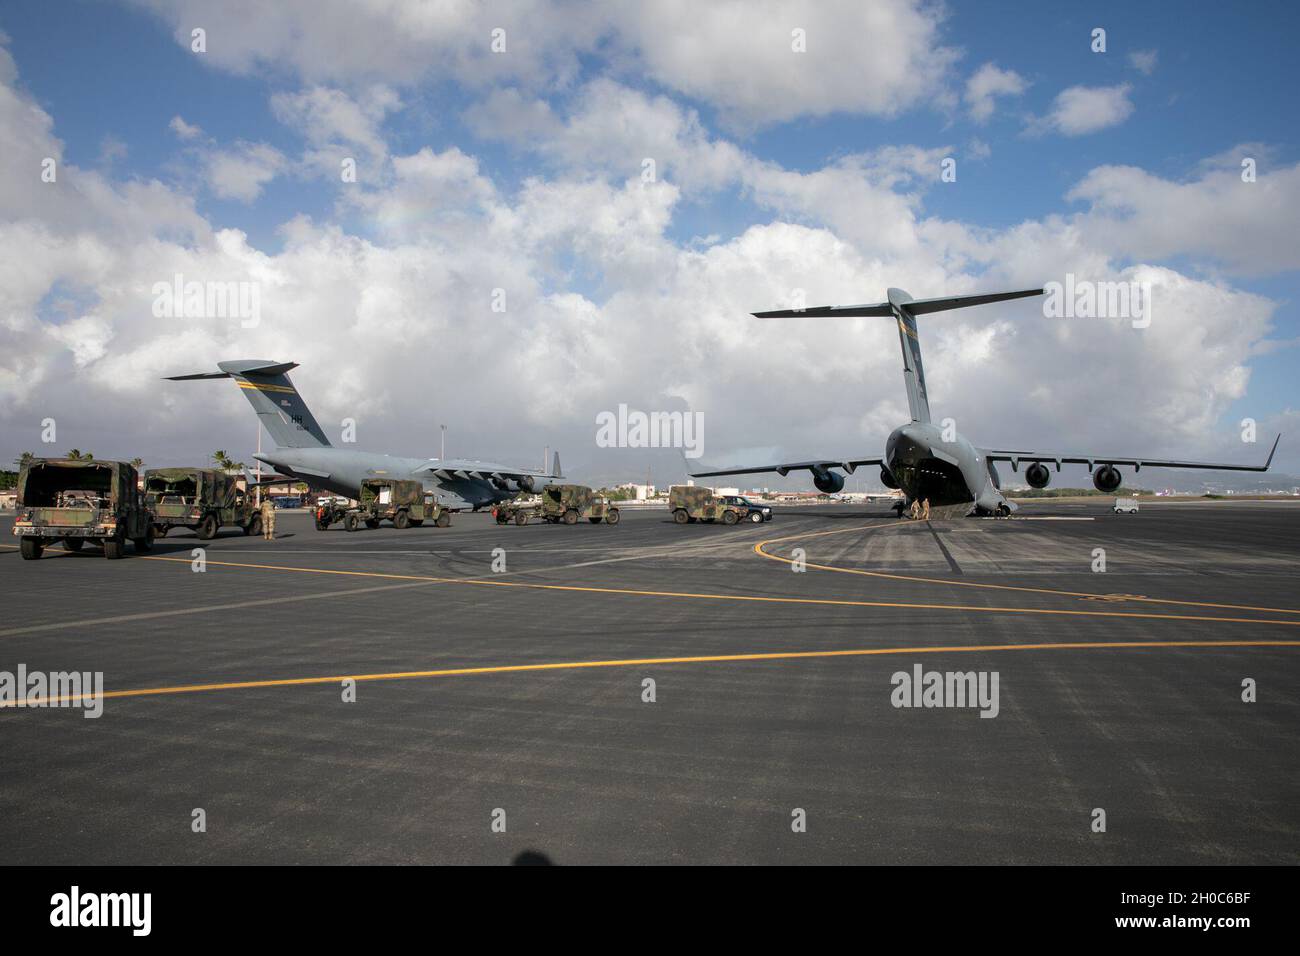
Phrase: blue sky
(111, 77)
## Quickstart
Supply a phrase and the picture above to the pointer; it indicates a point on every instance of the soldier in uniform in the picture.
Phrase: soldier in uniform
(925, 510)
(914, 512)
(268, 519)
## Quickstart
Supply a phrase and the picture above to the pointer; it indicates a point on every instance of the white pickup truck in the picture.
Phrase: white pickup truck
(1126, 506)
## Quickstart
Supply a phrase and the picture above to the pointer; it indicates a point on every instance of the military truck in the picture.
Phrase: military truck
(202, 499)
(692, 503)
(74, 500)
(405, 503)
(556, 503)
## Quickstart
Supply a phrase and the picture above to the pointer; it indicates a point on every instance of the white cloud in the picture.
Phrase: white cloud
(1086, 109)
(1144, 61)
(604, 306)
(184, 130)
(241, 172)
(988, 83)
(876, 58)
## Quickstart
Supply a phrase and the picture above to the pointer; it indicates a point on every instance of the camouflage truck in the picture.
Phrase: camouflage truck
(405, 503)
(202, 499)
(75, 501)
(691, 503)
(556, 503)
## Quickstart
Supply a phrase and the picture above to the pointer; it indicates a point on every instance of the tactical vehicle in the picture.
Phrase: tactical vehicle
(1125, 506)
(201, 499)
(693, 503)
(75, 501)
(556, 503)
(405, 503)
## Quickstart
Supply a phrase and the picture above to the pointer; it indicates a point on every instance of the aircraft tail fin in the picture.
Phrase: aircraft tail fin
(904, 310)
(277, 403)
(555, 467)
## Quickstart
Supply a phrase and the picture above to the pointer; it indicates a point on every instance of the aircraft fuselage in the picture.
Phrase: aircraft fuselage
(952, 475)
(341, 470)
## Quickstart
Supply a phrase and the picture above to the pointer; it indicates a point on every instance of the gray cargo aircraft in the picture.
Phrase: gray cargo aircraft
(955, 476)
(302, 450)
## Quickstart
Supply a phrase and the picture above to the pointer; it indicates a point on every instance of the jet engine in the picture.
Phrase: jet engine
(524, 482)
(1037, 475)
(827, 482)
(1106, 478)
(887, 479)
(500, 483)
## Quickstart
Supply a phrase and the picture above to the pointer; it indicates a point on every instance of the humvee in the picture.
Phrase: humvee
(405, 503)
(556, 503)
(75, 501)
(693, 503)
(201, 499)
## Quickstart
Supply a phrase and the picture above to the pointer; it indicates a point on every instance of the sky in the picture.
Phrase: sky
(559, 208)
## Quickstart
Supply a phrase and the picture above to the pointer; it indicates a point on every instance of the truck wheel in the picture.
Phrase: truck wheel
(444, 520)
(612, 516)
(756, 517)
(160, 530)
(729, 517)
(521, 518)
(73, 544)
(402, 520)
(372, 523)
(113, 547)
(680, 516)
(352, 523)
(208, 527)
(31, 548)
(254, 526)
(571, 517)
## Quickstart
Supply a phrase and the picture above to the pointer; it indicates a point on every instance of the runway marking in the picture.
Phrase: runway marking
(648, 662)
(753, 598)
(1086, 595)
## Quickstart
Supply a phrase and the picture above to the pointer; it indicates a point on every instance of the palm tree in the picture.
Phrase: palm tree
(77, 454)
(24, 459)
(136, 463)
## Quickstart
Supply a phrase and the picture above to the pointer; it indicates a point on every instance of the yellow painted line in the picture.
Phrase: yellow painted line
(752, 598)
(267, 388)
(652, 662)
(759, 548)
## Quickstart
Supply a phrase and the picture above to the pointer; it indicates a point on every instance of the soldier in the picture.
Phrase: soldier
(268, 519)
(925, 510)
(914, 512)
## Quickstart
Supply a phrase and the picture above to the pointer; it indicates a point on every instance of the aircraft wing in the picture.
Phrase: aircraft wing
(827, 311)
(1137, 463)
(849, 465)
(462, 468)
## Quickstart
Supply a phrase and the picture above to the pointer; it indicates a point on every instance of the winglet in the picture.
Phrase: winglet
(1273, 451)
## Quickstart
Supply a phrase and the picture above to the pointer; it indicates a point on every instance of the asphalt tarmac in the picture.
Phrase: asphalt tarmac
(501, 710)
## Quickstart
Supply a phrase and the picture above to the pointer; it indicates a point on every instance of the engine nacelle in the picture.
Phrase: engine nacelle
(827, 482)
(524, 482)
(887, 478)
(1106, 478)
(1037, 475)
(500, 483)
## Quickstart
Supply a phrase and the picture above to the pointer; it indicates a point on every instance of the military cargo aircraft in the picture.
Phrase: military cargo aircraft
(927, 462)
(302, 450)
